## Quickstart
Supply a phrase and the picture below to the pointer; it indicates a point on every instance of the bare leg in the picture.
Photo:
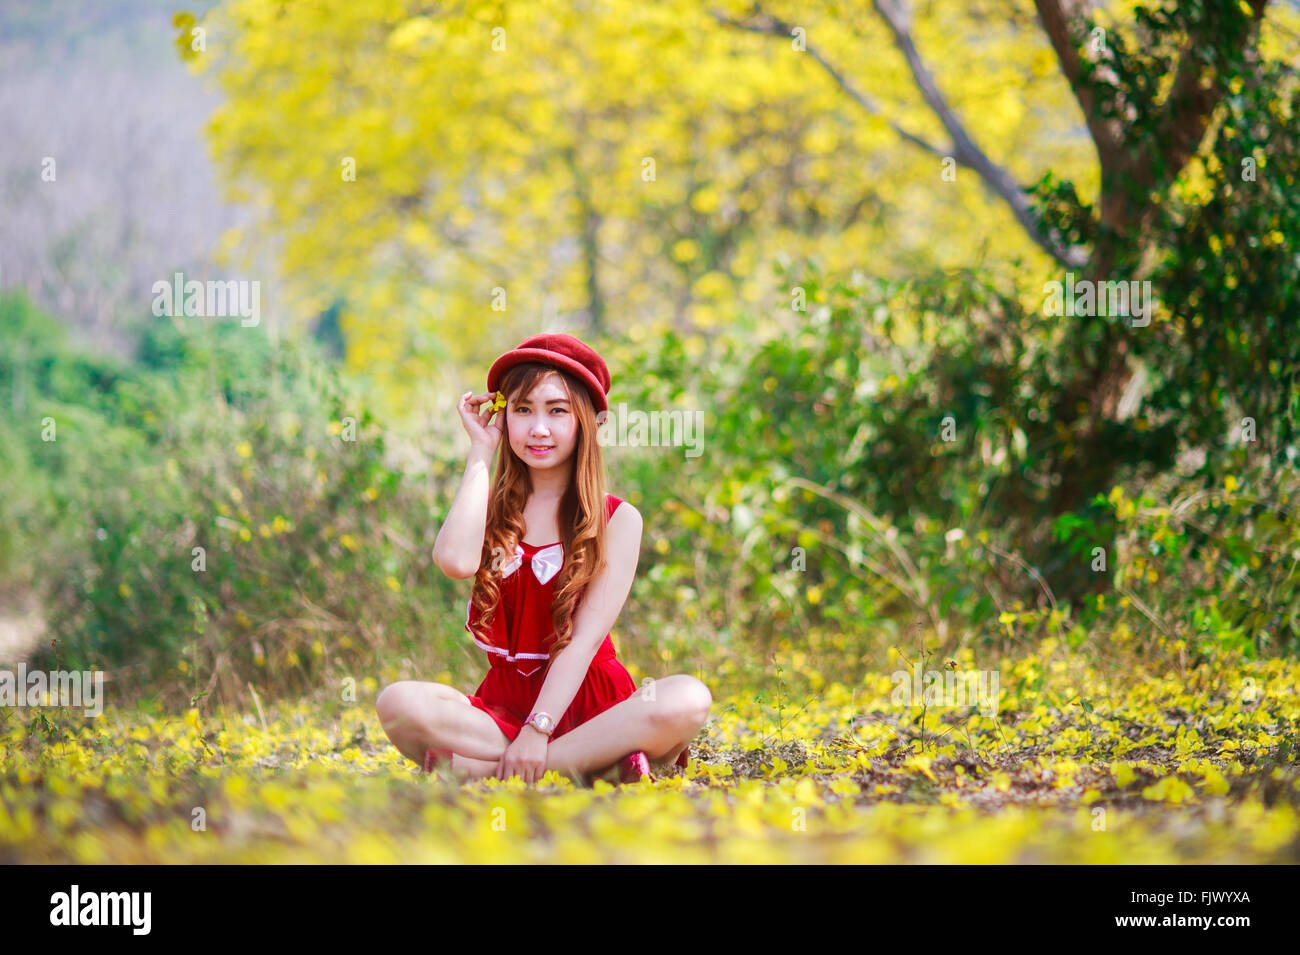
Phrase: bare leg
(484, 768)
(662, 726)
(472, 768)
(671, 756)
(419, 716)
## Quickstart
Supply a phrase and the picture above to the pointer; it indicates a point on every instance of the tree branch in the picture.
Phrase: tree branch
(1127, 175)
(964, 150)
(766, 23)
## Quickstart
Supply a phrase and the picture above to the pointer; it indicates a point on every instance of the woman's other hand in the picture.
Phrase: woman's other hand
(525, 757)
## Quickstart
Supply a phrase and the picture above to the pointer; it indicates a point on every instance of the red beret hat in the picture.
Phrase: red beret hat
(564, 352)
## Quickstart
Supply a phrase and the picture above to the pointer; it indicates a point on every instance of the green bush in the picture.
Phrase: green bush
(826, 513)
(826, 496)
(1213, 568)
(229, 515)
(827, 501)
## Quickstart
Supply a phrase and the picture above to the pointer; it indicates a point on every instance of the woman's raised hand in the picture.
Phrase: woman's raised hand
(481, 433)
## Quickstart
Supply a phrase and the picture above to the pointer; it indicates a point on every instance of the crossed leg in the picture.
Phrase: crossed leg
(661, 718)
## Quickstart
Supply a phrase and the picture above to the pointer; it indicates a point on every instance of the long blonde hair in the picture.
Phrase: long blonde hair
(581, 515)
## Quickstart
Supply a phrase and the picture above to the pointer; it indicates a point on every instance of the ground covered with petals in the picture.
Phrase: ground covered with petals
(1194, 767)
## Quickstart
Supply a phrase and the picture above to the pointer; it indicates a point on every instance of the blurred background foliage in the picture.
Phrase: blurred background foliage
(825, 519)
(897, 438)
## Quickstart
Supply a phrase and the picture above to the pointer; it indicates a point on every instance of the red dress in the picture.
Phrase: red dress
(515, 649)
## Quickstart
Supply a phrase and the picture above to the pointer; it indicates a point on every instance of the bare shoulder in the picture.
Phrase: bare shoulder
(624, 530)
(625, 515)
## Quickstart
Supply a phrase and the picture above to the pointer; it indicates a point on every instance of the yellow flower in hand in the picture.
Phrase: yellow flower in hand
(498, 402)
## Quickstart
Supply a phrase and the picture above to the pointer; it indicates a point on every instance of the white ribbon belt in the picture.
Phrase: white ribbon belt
(546, 562)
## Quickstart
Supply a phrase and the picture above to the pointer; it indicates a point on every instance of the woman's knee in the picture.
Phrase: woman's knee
(398, 702)
(682, 700)
(696, 698)
(390, 700)
(404, 694)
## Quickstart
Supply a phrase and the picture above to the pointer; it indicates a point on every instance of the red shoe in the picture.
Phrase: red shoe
(633, 768)
(435, 758)
(684, 758)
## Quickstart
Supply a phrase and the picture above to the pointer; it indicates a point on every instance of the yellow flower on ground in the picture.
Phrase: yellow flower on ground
(923, 764)
(1170, 789)
(1215, 782)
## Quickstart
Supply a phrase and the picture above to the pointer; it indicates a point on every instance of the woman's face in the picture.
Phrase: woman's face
(545, 419)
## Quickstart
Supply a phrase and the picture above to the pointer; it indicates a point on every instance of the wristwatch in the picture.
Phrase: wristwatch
(542, 722)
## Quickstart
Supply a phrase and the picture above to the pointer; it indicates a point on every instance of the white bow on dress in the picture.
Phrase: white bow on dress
(546, 562)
